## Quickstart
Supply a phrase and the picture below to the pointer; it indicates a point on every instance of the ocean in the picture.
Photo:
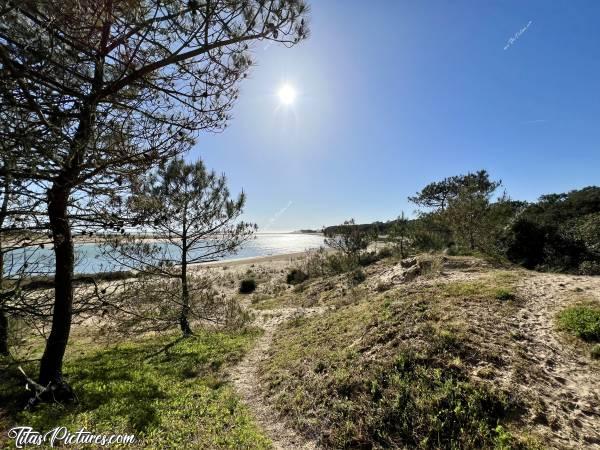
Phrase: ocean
(89, 257)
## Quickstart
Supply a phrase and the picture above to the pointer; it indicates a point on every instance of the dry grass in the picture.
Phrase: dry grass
(413, 366)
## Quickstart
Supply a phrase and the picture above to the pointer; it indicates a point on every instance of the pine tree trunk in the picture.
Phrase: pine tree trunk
(58, 202)
(185, 304)
(185, 294)
(52, 360)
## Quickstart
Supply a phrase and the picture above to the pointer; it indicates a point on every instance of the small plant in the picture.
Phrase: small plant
(382, 287)
(366, 259)
(247, 286)
(385, 252)
(595, 353)
(296, 276)
(357, 276)
(582, 321)
(504, 295)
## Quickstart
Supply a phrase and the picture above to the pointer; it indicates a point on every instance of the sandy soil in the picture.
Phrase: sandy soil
(544, 365)
(287, 258)
(563, 376)
(246, 381)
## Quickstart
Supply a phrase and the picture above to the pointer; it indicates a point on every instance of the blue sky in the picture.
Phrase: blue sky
(395, 94)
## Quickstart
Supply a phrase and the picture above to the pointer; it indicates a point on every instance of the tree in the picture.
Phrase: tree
(461, 203)
(438, 194)
(192, 214)
(399, 232)
(109, 89)
(349, 239)
(466, 216)
(558, 232)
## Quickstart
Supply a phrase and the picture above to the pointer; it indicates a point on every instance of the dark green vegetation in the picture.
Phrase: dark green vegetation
(168, 396)
(394, 370)
(581, 321)
(559, 232)
(296, 276)
(247, 286)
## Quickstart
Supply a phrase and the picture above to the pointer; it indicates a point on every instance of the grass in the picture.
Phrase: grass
(581, 321)
(499, 285)
(393, 370)
(176, 399)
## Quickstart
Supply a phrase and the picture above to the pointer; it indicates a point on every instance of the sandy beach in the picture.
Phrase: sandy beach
(285, 257)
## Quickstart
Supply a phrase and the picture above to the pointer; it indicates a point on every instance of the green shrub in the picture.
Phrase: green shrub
(589, 268)
(338, 263)
(357, 276)
(296, 276)
(582, 321)
(247, 286)
(385, 252)
(503, 294)
(595, 353)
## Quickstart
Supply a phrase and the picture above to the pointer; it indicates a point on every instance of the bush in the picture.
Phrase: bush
(385, 252)
(596, 351)
(339, 263)
(357, 276)
(525, 243)
(296, 276)
(582, 321)
(589, 268)
(247, 286)
(503, 294)
(366, 259)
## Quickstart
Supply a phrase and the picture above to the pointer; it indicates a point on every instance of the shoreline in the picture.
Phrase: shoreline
(252, 260)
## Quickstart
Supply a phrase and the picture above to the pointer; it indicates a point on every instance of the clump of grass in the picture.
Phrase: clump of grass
(595, 353)
(247, 286)
(497, 285)
(504, 295)
(171, 400)
(581, 321)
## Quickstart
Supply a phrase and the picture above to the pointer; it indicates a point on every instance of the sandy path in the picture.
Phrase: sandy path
(566, 379)
(246, 382)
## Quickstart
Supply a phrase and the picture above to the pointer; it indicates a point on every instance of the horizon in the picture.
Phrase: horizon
(462, 87)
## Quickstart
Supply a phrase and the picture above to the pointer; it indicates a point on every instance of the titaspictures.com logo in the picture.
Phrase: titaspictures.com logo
(27, 436)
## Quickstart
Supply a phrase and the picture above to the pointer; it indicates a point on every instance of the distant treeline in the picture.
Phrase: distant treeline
(559, 232)
(378, 228)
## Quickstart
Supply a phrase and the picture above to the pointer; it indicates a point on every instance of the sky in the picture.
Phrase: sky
(393, 95)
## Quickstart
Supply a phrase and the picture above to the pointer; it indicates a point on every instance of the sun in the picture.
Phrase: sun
(287, 94)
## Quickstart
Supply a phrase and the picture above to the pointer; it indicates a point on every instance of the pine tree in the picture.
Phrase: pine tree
(107, 90)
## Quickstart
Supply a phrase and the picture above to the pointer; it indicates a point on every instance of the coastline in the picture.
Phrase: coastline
(288, 257)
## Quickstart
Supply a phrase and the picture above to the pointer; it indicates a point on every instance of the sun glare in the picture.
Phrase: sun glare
(286, 94)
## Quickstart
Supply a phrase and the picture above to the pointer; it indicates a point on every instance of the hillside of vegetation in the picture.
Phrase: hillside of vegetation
(465, 355)
(559, 232)
(432, 351)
